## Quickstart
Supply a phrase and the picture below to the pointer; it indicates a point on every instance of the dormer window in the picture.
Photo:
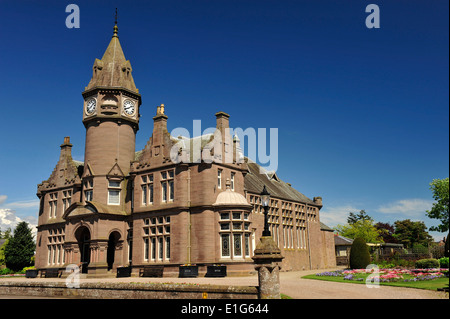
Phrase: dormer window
(88, 190)
(114, 192)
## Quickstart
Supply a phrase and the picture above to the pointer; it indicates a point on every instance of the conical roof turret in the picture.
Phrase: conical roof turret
(113, 70)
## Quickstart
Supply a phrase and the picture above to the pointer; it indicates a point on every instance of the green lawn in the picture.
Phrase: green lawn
(426, 284)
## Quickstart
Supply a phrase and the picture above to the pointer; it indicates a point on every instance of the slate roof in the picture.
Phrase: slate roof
(113, 70)
(342, 241)
(255, 181)
(325, 227)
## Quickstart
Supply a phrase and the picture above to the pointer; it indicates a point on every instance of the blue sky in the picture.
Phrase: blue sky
(362, 114)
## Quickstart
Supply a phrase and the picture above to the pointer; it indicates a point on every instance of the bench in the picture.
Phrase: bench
(151, 271)
(50, 273)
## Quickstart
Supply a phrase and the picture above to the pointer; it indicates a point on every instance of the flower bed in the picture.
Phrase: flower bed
(386, 275)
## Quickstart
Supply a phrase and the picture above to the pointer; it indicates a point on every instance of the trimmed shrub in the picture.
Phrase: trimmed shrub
(427, 263)
(6, 271)
(443, 262)
(359, 254)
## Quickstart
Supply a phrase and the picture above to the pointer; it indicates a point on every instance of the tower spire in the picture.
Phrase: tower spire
(113, 69)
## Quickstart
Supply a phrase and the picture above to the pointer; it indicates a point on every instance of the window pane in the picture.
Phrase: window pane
(224, 216)
(150, 187)
(247, 244)
(153, 248)
(171, 190)
(226, 245)
(160, 242)
(114, 184)
(164, 191)
(146, 242)
(237, 244)
(232, 181)
(144, 194)
(167, 247)
(114, 197)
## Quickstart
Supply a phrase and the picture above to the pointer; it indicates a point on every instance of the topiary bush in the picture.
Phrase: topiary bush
(359, 254)
(427, 263)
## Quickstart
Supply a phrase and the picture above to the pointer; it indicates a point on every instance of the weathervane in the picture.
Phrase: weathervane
(116, 28)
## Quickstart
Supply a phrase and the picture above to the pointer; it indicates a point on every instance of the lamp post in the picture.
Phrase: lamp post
(265, 200)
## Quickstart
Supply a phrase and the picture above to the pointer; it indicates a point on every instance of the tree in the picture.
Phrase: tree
(359, 254)
(2, 252)
(387, 232)
(411, 233)
(353, 218)
(446, 251)
(20, 248)
(361, 228)
(6, 234)
(440, 209)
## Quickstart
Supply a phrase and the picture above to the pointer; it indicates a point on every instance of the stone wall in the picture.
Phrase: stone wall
(127, 290)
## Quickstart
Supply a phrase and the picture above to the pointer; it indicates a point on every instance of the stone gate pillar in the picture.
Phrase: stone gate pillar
(267, 258)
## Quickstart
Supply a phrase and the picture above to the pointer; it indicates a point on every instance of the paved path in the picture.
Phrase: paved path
(291, 284)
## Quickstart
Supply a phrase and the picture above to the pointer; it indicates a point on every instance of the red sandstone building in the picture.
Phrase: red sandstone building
(124, 207)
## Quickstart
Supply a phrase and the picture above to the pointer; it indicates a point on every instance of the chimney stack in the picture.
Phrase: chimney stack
(223, 121)
(66, 148)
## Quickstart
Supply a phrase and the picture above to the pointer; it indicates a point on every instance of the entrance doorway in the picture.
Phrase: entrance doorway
(83, 237)
(111, 252)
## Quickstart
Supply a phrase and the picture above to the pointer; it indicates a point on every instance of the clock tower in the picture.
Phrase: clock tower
(111, 119)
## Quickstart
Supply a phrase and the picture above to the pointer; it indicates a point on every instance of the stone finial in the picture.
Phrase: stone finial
(228, 184)
(318, 200)
(160, 109)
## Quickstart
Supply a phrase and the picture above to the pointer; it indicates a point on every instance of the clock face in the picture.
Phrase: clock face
(90, 106)
(128, 107)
